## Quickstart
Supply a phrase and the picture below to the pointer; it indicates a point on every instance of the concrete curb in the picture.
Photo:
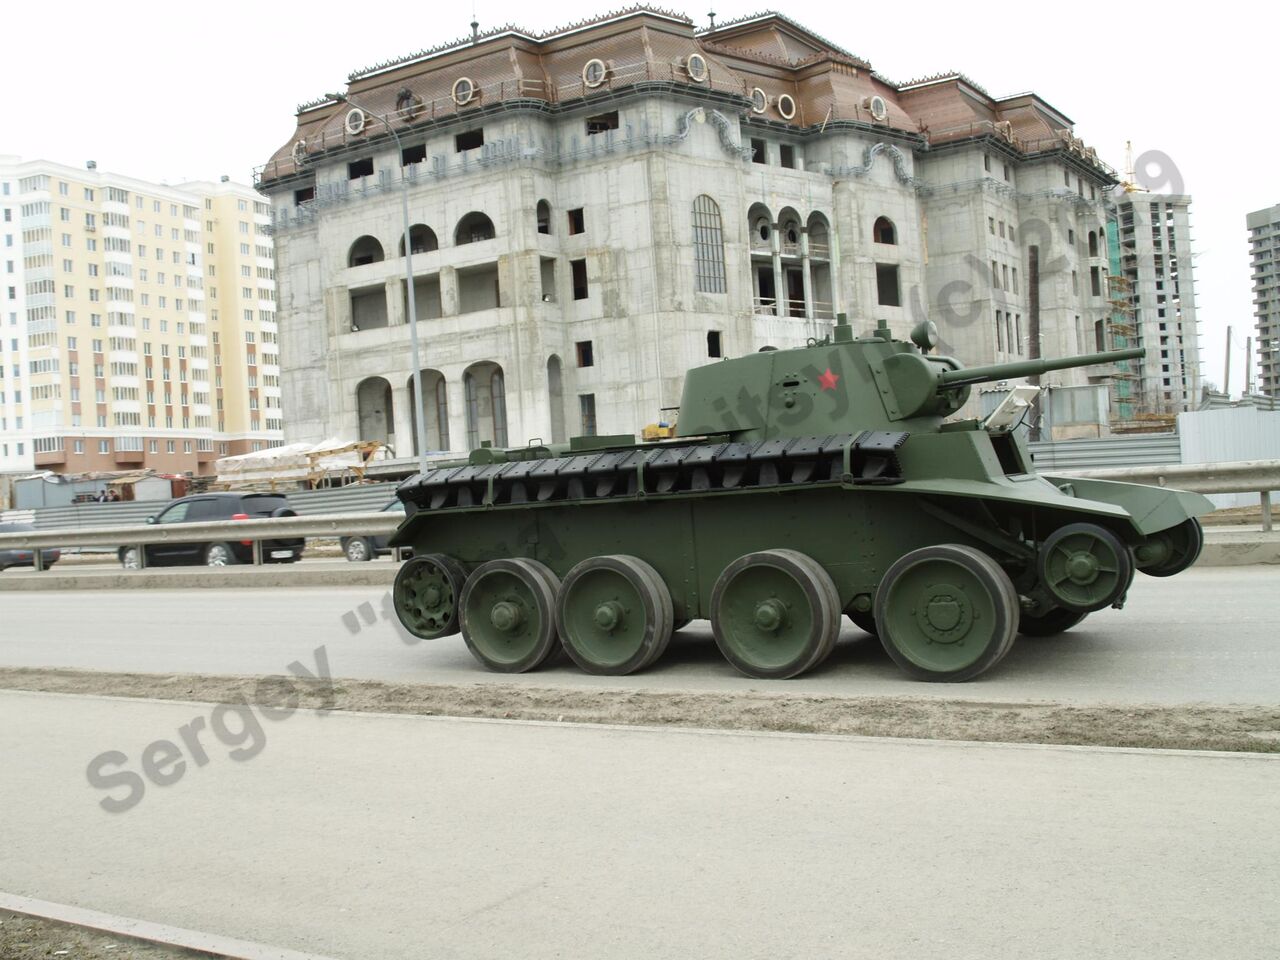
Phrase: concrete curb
(142, 931)
(1230, 548)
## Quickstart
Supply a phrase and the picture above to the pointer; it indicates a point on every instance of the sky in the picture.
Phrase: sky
(175, 92)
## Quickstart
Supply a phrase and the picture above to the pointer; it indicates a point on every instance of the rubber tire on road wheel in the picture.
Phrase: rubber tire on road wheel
(358, 550)
(775, 614)
(1187, 540)
(219, 549)
(1049, 624)
(961, 583)
(626, 589)
(437, 617)
(526, 590)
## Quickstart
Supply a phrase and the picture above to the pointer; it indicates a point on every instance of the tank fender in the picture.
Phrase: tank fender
(1152, 508)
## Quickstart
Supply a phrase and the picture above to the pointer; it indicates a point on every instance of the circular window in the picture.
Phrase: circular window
(354, 123)
(696, 66)
(593, 72)
(759, 100)
(879, 109)
(786, 106)
(464, 91)
(407, 103)
(763, 229)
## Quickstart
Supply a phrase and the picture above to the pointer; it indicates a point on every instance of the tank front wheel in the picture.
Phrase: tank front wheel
(1049, 624)
(1084, 567)
(508, 614)
(1171, 551)
(426, 594)
(946, 613)
(775, 614)
(614, 614)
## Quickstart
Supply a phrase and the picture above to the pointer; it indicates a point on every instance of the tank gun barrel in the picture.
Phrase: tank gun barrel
(1030, 368)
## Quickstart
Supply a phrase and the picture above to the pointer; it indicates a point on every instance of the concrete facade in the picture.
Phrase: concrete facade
(656, 221)
(1264, 256)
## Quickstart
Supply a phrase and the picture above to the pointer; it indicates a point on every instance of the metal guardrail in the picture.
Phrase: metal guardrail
(1246, 476)
(351, 524)
(1240, 476)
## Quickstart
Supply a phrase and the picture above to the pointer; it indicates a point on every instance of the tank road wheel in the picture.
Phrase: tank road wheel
(614, 615)
(775, 614)
(1171, 551)
(426, 593)
(1049, 624)
(946, 613)
(508, 614)
(1084, 567)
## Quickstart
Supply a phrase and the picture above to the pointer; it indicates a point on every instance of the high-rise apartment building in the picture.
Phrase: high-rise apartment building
(1157, 281)
(138, 322)
(1264, 252)
(595, 210)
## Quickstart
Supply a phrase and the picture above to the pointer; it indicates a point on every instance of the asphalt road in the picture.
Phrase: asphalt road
(1208, 635)
(357, 835)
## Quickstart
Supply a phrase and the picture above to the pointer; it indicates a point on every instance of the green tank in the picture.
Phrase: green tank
(801, 485)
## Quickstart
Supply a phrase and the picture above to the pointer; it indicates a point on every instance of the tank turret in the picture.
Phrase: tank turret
(842, 384)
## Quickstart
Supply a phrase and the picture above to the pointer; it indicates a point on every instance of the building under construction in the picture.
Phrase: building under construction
(598, 208)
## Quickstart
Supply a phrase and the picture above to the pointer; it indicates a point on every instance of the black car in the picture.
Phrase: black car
(24, 558)
(366, 548)
(219, 553)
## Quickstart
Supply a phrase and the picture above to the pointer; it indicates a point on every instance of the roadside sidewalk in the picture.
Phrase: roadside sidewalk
(361, 835)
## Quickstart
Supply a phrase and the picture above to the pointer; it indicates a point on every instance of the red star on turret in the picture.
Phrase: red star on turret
(827, 381)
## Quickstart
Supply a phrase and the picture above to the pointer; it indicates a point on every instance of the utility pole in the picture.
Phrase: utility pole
(1226, 374)
(1248, 364)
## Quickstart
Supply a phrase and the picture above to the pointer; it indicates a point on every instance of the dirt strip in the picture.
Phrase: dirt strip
(1185, 727)
(32, 938)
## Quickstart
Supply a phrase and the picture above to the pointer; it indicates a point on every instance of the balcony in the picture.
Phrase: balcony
(129, 456)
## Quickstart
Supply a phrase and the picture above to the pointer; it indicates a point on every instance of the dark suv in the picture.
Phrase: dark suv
(218, 553)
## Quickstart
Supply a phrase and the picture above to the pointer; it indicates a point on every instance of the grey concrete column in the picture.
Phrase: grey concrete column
(448, 292)
(402, 419)
(806, 275)
(779, 286)
(395, 303)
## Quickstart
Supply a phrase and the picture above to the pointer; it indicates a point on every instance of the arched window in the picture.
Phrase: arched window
(422, 239)
(1093, 243)
(473, 228)
(544, 217)
(366, 249)
(708, 246)
(884, 231)
(373, 410)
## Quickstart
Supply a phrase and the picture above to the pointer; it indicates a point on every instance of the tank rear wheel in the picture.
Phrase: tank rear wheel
(508, 614)
(1049, 624)
(1084, 567)
(614, 614)
(775, 614)
(946, 613)
(864, 621)
(426, 593)
(1173, 550)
